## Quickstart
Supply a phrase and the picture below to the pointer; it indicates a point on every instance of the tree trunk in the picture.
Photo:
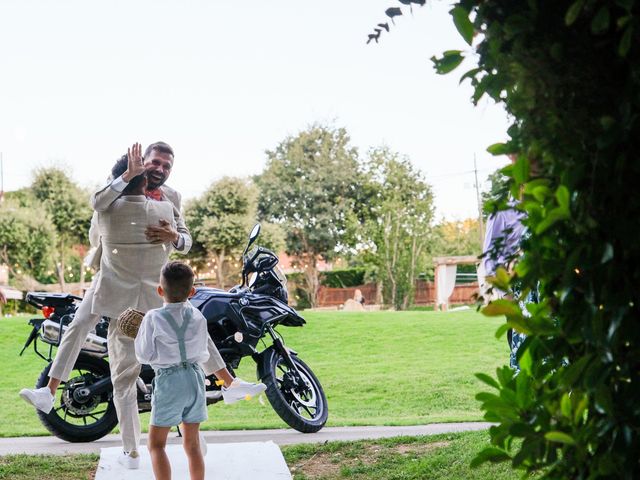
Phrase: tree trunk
(220, 258)
(60, 267)
(312, 280)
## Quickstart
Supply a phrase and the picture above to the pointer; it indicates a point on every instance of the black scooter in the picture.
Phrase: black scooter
(237, 320)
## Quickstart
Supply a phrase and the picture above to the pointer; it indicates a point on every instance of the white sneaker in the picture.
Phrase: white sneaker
(130, 460)
(40, 398)
(240, 389)
(203, 444)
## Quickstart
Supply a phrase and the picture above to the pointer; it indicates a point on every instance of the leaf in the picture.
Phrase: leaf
(607, 122)
(471, 74)
(552, 217)
(498, 149)
(521, 169)
(502, 329)
(565, 405)
(580, 408)
(483, 377)
(600, 21)
(607, 254)
(502, 278)
(625, 41)
(560, 437)
(573, 12)
(462, 23)
(562, 196)
(449, 61)
(501, 307)
(489, 454)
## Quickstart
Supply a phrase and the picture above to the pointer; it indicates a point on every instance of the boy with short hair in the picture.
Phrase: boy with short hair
(173, 340)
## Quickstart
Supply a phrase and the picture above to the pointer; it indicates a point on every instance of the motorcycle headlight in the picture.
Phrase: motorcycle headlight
(252, 279)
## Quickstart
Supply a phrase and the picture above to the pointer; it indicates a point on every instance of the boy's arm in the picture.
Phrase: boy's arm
(144, 344)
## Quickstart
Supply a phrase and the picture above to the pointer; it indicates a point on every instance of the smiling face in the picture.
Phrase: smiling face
(158, 167)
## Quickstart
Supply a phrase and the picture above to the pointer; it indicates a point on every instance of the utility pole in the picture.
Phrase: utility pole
(480, 221)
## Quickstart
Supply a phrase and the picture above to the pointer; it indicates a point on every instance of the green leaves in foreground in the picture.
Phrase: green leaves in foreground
(448, 62)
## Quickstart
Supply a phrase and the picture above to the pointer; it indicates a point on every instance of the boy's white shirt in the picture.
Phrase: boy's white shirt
(157, 345)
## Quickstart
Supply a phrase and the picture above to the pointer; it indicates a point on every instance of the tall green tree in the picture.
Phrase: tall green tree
(309, 187)
(68, 209)
(398, 230)
(220, 220)
(27, 241)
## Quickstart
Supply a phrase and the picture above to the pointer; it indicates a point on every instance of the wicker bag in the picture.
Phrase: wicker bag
(129, 322)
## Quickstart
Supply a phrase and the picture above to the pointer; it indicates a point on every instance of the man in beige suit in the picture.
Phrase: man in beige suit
(158, 163)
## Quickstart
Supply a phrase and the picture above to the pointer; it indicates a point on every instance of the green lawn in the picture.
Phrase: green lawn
(377, 368)
(445, 457)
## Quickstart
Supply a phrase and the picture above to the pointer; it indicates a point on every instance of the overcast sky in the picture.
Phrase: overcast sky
(224, 81)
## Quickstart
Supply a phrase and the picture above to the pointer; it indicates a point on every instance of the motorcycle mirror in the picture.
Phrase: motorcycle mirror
(255, 231)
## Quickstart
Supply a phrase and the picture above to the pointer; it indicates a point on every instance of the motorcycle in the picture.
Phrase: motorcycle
(237, 320)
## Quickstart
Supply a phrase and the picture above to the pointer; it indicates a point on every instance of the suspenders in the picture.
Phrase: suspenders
(179, 330)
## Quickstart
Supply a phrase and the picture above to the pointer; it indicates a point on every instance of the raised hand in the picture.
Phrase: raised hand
(135, 164)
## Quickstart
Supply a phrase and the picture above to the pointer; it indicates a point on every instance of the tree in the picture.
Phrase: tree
(309, 187)
(398, 224)
(568, 74)
(457, 237)
(27, 241)
(220, 220)
(67, 207)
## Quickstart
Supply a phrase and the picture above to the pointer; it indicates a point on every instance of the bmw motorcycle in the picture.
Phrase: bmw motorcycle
(237, 320)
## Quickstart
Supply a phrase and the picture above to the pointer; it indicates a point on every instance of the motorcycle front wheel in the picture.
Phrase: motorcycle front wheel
(302, 407)
(84, 421)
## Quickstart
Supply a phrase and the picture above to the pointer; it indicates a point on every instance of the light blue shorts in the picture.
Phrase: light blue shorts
(178, 396)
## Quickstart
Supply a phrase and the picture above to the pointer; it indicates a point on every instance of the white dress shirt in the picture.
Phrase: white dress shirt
(157, 344)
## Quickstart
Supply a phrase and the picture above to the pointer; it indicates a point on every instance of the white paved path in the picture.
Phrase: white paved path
(55, 446)
(228, 461)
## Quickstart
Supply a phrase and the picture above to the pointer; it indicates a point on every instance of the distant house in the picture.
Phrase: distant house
(290, 264)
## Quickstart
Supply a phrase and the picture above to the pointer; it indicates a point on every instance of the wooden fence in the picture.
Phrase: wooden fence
(425, 294)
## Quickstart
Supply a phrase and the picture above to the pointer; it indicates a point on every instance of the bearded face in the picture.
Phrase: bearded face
(158, 167)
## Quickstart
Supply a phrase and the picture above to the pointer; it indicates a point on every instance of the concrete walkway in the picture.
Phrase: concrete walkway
(55, 446)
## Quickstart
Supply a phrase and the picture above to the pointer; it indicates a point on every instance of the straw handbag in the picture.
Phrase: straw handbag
(129, 322)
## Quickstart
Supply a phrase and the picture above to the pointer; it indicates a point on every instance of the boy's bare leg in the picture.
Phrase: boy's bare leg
(159, 459)
(191, 444)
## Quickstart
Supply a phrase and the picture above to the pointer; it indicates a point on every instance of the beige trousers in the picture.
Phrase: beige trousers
(75, 336)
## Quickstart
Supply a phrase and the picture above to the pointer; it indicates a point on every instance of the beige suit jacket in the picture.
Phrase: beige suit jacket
(105, 196)
(129, 265)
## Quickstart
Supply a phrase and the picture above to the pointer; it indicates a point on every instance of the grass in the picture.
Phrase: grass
(402, 458)
(48, 467)
(445, 457)
(377, 368)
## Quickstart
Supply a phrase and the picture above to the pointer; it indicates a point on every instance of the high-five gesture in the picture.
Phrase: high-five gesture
(135, 165)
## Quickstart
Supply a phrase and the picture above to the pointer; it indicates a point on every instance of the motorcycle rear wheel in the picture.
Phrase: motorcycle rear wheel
(94, 419)
(304, 409)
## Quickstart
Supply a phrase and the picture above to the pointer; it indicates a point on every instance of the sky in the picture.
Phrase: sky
(222, 82)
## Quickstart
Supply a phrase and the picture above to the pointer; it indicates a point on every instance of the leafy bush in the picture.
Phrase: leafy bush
(568, 73)
(351, 277)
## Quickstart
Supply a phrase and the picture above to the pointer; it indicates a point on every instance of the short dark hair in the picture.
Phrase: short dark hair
(177, 281)
(161, 147)
(120, 167)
